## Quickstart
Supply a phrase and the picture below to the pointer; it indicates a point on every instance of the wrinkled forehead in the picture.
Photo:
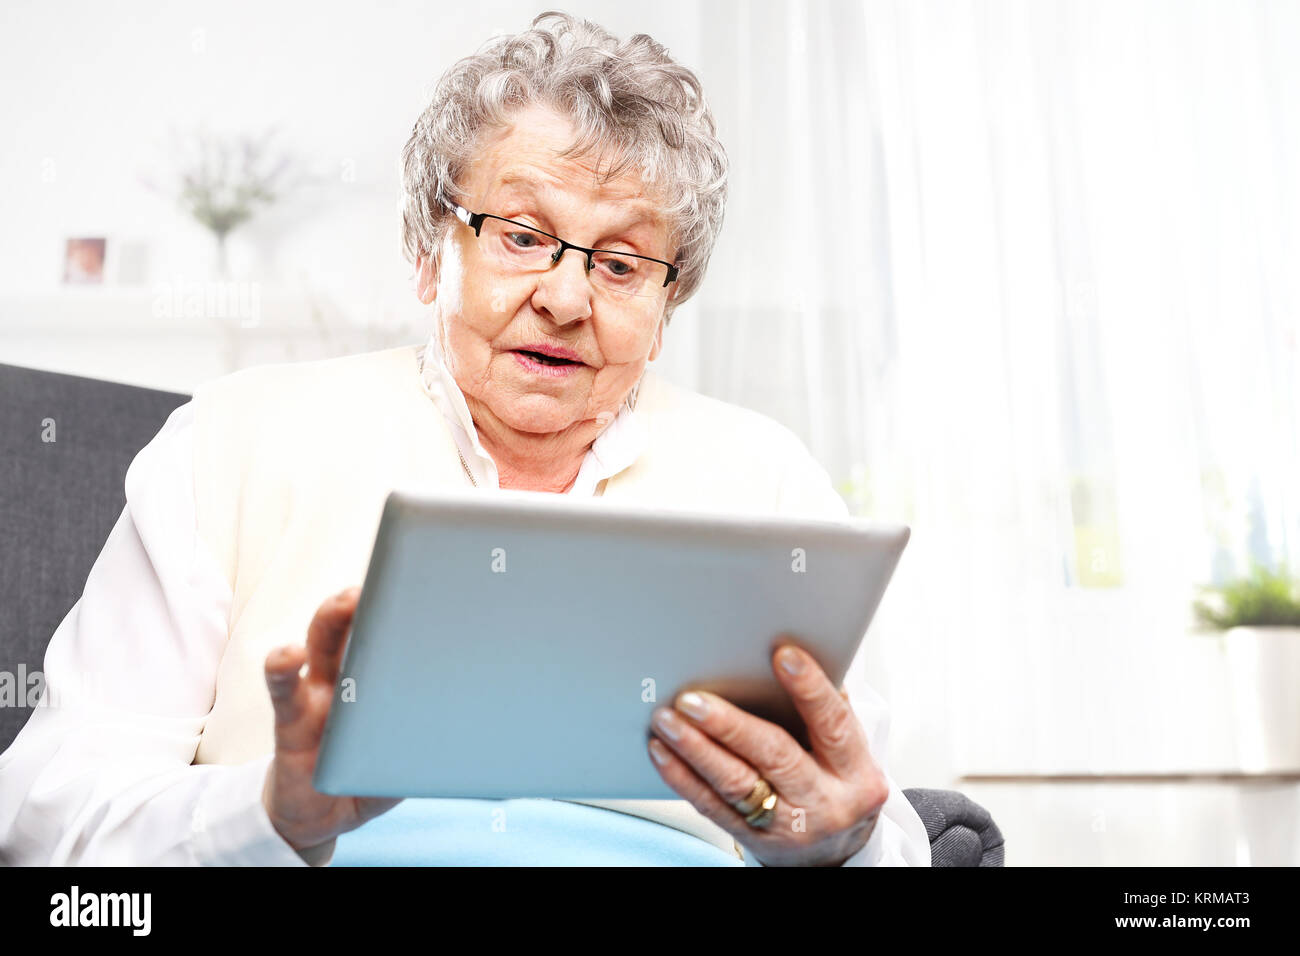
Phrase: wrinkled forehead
(520, 167)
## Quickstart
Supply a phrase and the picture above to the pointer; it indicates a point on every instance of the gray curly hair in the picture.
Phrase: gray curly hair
(629, 100)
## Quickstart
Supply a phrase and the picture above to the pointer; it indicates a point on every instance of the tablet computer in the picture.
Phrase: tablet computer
(515, 644)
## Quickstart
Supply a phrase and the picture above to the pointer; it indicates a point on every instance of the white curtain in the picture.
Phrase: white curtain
(1023, 275)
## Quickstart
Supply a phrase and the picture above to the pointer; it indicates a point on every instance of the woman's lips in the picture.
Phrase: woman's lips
(541, 365)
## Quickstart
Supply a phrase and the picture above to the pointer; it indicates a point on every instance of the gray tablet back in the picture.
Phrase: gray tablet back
(514, 644)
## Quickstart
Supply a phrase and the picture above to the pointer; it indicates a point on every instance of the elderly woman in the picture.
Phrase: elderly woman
(563, 192)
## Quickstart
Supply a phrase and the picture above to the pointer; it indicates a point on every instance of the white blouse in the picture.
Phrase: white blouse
(102, 773)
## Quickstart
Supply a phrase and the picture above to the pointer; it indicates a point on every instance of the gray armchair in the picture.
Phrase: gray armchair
(59, 500)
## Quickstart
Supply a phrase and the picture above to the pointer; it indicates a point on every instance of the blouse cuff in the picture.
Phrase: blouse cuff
(871, 854)
(231, 826)
(873, 851)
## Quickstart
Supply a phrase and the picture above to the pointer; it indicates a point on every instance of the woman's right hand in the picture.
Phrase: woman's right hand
(305, 818)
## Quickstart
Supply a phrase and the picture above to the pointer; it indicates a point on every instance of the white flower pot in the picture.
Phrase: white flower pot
(1264, 671)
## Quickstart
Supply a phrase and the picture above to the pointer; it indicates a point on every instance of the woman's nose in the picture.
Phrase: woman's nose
(564, 290)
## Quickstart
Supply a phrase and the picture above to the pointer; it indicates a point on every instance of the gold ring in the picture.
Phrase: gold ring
(764, 815)
(760, 792)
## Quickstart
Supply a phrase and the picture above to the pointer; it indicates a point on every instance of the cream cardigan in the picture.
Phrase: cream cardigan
(293, 463)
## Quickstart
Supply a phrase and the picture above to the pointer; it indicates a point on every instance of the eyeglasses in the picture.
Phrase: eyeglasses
(518, 247)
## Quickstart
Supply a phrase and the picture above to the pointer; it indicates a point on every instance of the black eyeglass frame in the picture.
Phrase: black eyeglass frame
(475, 221)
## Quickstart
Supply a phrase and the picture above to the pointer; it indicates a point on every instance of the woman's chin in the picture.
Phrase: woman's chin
(543, 414)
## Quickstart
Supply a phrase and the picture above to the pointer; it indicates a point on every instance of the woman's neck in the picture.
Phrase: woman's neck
(533, 480)
(534, 483)
(533, 462)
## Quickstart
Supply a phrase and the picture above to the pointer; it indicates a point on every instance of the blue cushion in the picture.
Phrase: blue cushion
(519, 833)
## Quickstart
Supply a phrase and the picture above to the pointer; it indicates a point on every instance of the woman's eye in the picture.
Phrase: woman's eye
(524, 240)
(618, 267)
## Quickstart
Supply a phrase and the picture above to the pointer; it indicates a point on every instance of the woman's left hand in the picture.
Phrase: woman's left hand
(712, 754)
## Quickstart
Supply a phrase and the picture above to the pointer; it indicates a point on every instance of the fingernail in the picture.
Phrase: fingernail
(669, 723)
(658, 752)
(693, 705)
(791, 661)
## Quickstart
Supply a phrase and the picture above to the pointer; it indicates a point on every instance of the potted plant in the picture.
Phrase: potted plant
(1259, 616)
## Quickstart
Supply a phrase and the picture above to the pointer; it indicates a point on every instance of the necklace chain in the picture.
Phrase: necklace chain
(464, 464)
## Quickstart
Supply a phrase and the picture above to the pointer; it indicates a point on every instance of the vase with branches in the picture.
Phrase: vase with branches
(224, 181)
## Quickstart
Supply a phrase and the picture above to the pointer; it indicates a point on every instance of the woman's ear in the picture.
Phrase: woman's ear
(426, 278)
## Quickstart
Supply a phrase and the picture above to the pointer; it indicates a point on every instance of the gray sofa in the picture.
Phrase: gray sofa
(60, 499)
